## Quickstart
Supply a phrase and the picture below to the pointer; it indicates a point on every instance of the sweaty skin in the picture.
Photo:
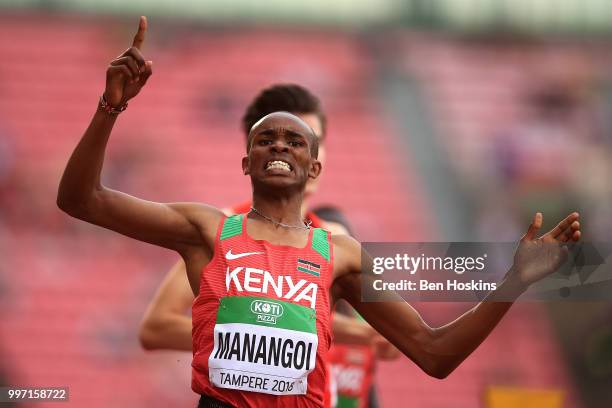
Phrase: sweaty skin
(190, 228)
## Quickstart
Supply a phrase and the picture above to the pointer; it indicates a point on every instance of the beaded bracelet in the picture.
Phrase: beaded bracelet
(109, 109)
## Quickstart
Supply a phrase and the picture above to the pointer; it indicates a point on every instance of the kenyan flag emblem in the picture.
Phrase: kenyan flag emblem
(308, 267)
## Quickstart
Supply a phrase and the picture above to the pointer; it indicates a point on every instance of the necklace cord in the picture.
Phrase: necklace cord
(305, 226)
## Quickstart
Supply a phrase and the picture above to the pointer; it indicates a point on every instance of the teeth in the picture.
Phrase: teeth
(277, 164)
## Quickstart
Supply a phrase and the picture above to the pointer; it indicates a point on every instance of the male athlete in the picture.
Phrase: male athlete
(264, 282)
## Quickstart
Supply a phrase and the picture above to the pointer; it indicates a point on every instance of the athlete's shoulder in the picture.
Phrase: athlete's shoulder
(345, 243)
(347, 254)
(207, 213)
(203, 216)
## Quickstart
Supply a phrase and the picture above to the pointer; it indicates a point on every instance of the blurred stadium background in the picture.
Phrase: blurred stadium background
(448, 120)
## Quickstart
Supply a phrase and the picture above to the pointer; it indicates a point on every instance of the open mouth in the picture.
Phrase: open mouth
(278, 165)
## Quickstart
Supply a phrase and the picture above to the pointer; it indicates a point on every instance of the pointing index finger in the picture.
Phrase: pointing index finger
(140, 35)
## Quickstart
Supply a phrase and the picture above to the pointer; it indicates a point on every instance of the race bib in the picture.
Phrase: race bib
(263, 345)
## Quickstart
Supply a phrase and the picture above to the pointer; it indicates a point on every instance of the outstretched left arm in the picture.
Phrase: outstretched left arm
(438, 351)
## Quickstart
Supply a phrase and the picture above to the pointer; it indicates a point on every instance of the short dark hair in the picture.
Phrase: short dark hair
(291, 98)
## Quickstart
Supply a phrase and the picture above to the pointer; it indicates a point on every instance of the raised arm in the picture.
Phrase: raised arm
(438, 351)
(176, 226)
